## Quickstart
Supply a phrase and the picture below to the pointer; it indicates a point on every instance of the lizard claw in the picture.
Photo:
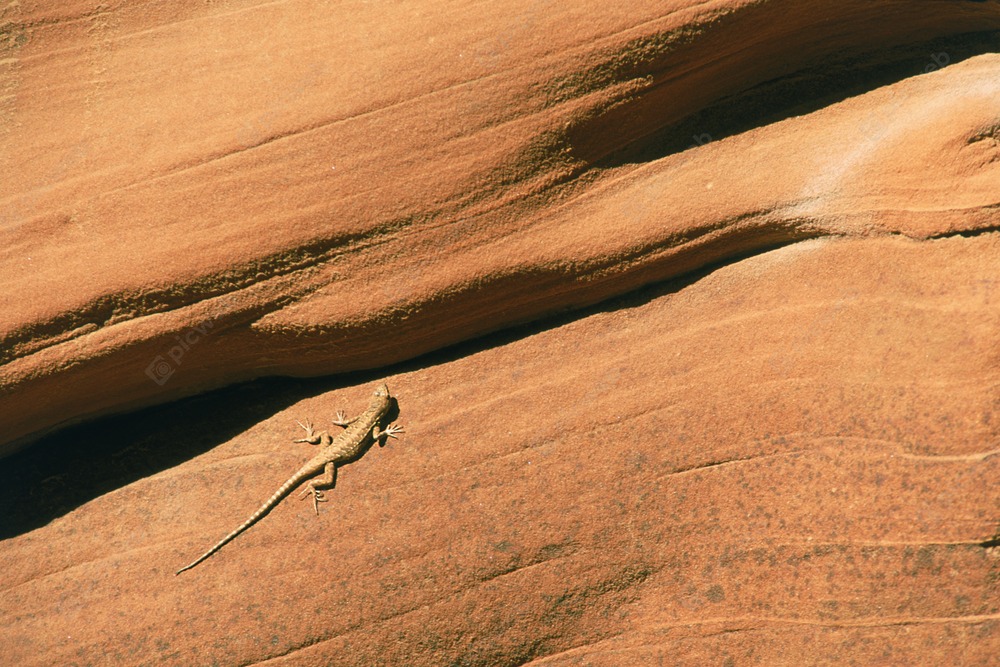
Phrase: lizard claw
(341, 419)
(391, 430)
(308, 428)
(317, 498)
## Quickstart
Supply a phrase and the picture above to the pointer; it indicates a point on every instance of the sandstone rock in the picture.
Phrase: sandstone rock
(195, 217)
(783, 455)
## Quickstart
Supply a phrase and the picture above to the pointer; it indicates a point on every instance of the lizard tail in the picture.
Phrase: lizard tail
(264, 509)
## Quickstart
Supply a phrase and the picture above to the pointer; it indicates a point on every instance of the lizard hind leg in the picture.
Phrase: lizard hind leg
(327, 480)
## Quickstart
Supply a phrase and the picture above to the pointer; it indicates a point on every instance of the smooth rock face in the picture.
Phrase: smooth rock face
(785, 454)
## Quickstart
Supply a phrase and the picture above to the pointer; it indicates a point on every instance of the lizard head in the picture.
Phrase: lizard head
(380, 399)
(382, 391)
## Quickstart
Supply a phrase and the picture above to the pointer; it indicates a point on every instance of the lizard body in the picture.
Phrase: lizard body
(334, 450)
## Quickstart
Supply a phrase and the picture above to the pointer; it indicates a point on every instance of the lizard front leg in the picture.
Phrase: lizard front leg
(311, 437)
(326, 480)
(391, 430)
(342, 420)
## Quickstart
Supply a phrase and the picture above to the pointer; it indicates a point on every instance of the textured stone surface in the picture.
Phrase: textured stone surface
(265, 200)
(782, 456)
(795, 454)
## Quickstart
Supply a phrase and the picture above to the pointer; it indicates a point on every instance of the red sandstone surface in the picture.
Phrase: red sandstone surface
(691, 311)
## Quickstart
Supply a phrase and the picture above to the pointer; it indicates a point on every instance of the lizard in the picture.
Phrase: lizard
(335, 450)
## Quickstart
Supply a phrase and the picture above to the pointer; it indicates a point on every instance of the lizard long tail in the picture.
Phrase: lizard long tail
(294, 481)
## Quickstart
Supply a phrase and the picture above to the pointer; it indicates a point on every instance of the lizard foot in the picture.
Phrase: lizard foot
(317, 497)
(391, 430)
(309, 430)
(312, 437)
